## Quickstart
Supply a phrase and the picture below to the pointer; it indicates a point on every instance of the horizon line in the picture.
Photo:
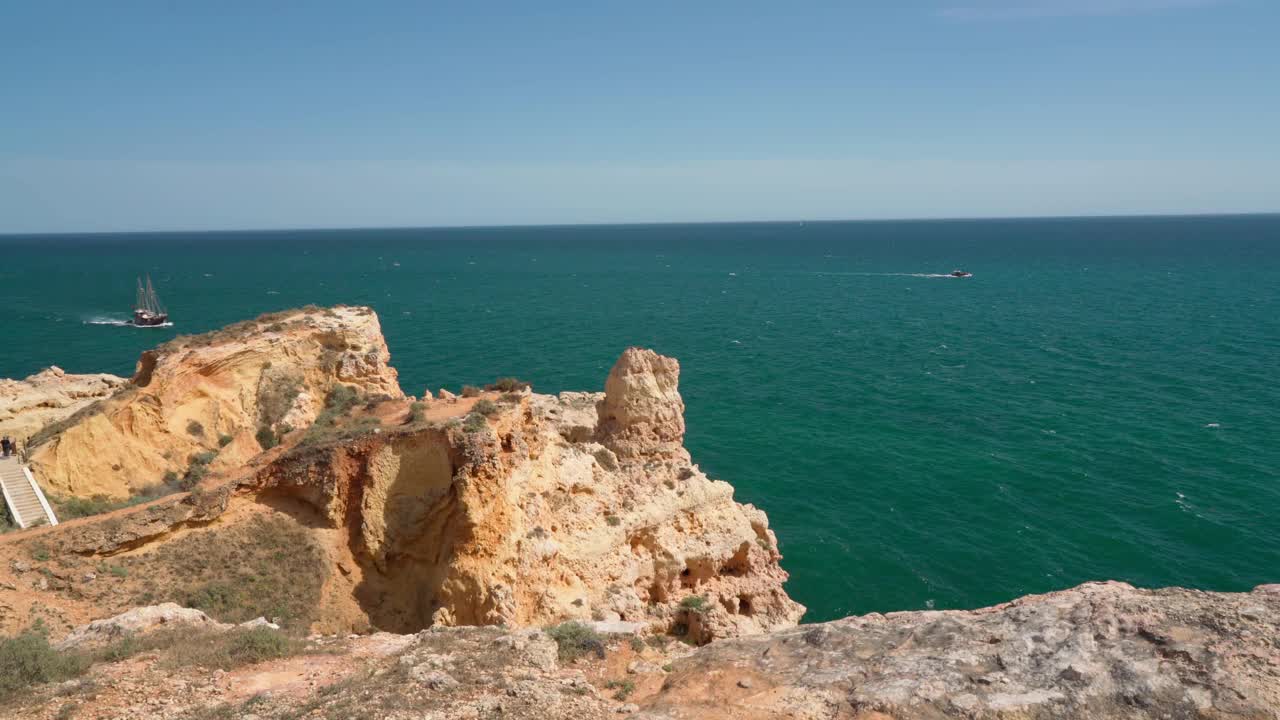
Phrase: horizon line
(657, 223)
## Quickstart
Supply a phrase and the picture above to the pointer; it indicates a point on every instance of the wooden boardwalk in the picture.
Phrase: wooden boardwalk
(27, 504)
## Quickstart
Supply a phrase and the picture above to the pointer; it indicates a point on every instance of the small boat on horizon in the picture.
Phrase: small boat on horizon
(960, 274)
(147, 310)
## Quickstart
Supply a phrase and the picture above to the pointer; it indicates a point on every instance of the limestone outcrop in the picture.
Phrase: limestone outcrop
(47, 397)
(137, 621)
(142, 620)
(1100, 650)
(528, 520)
(211, 394)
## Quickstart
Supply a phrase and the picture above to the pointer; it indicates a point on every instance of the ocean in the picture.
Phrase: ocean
(1099, 401)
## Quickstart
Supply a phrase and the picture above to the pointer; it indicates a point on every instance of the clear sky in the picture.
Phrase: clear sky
(138, 115)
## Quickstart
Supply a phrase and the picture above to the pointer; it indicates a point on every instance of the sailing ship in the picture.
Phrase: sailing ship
(147, 310)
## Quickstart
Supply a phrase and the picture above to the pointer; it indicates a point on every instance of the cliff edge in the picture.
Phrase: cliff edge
(49, 396)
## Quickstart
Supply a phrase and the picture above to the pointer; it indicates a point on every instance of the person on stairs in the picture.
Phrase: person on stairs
(7, 445)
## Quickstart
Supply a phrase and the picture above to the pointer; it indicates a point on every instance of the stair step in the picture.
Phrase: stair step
(24, 500)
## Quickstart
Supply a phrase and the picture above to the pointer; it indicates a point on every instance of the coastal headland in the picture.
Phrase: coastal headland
(270, 490)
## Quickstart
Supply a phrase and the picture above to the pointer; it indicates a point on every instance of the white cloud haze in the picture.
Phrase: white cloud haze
(1032, 9)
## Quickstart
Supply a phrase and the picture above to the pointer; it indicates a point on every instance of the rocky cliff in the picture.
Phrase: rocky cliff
(526, 517)
(508, 507)
(212, 393)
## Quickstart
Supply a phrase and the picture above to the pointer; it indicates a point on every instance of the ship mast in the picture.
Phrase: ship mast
(153, 302)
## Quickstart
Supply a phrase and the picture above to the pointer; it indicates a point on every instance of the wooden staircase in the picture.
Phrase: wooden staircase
(27, 504)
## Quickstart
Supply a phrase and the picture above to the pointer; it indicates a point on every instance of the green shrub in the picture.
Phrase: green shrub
(624, 688)
(218, 599)
(417, 409)
(224, 440)
(694, 603)
(507, 384)
(195, 428)
(573, 640)
(637, 645)
(210, 649)
(341, 399)
(276, 394)
(470, 391)
(234, 648)
(360, 426)
(28, 659)
(125, 647)
(475, 422)
(613, 520)
(119, 571)
(485, 407)
(202, 458)
(196, 471)
(75, 507)
(338, 403)
(266, 437)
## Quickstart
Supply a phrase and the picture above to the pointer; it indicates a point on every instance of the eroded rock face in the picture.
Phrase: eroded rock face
(210, 393)
(1101, 650)
(47, 397)
(531, 521)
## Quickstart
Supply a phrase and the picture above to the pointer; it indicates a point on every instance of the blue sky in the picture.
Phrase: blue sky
(139, 115)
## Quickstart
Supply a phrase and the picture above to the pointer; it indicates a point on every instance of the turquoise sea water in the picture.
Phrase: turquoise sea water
(1099, 401)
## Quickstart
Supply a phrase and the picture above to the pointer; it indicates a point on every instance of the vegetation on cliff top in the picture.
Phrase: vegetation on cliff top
(28, 659)
(335, 423)
(269, 567)
(272, 321)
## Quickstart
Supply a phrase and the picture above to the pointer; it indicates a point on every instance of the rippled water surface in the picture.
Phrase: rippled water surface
(1098, 401)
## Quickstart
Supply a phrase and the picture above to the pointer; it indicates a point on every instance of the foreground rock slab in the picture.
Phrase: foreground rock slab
(1101, 650)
